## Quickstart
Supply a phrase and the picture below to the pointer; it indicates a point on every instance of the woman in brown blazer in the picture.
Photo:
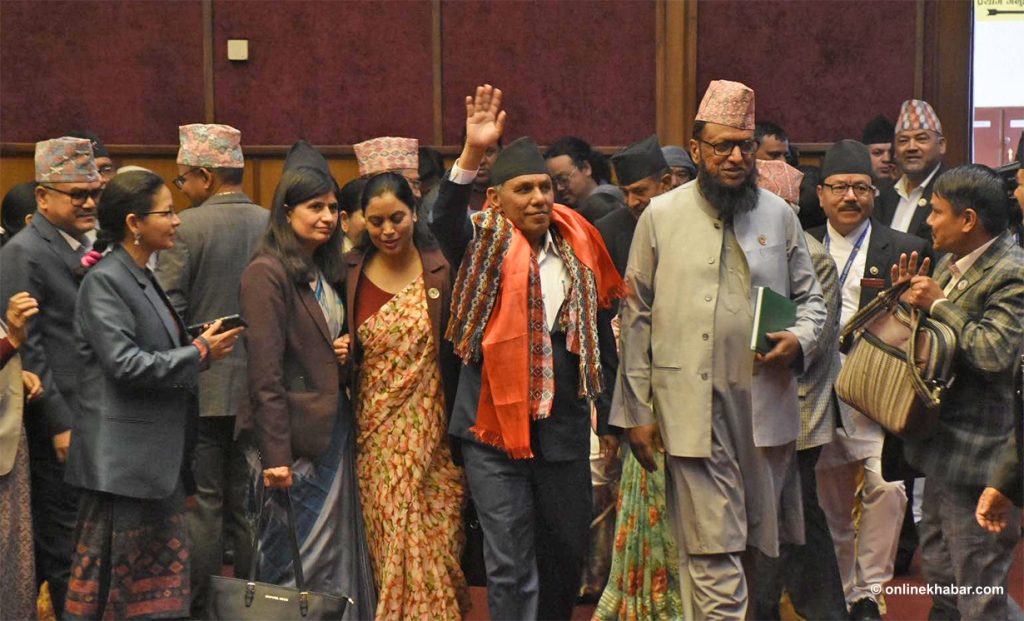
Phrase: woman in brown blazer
(297, 407)
(398, 292)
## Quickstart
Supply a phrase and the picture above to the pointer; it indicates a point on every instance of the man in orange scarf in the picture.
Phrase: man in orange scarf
(524, 322)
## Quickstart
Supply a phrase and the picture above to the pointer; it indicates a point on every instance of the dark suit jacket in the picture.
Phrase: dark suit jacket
(977, 420)
(294, 378)
(565, 434)
(888, 200)
(40, 261)
(616, 230)
(137, 385)
(884, 249)
(436, 277)
(201, 275)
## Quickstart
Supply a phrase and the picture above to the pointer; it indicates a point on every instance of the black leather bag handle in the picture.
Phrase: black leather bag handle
(293, 540)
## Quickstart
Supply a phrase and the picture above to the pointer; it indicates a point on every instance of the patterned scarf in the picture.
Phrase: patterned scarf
(497, 316)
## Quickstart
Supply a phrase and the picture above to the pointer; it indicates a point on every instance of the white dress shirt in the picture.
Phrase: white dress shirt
(908, 201)
(840, 247)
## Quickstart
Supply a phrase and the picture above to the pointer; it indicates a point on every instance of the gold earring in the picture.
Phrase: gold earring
(138, 236)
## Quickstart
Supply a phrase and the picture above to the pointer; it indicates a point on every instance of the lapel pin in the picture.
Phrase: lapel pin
(433, 293)
(961, 285)
(873, 270)
(762, 239)
(921, 202)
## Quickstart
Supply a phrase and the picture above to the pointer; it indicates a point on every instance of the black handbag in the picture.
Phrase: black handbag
(235, 598)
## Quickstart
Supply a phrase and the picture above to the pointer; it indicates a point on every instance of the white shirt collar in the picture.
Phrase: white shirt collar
(547, 247)
(901, 185)
(854, 234)
(74, 243)
(964, 263)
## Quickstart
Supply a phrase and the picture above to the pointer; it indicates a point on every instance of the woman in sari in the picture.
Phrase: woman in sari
(399, 286)
(304, 429)
(644, 578)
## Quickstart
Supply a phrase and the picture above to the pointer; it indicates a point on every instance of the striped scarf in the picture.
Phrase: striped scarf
(488, 321)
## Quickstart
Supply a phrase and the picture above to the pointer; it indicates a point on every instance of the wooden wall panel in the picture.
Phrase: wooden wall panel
(585, 68)
(328, 72)
(129, 70)
(821, 70)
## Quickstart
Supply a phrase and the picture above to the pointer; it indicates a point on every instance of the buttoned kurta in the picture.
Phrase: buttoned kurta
(668, 331)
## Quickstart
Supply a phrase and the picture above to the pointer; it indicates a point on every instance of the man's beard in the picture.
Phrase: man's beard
(727, 200)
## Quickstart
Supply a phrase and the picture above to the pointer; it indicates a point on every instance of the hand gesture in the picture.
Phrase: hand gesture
(341, 348)
(221, 343)
(485, 120)
(20, 307)
(907, 268)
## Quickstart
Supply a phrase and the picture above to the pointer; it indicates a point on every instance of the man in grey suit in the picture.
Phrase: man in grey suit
(201, 275)
(44, 259)
(727, 417)
(863, 250)
(978, 291)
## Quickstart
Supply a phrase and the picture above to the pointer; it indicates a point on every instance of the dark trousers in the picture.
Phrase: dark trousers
(955, 550)
(54, 515)
(809, 573)
(221, 476)
(535, 517)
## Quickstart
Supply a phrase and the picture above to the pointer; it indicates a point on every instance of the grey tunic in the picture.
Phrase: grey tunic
(741, 495)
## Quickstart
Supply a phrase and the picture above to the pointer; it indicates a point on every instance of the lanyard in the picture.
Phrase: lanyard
(853, 253)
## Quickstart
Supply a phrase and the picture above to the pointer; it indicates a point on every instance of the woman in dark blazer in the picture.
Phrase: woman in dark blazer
(297, 407)
(136, 407)
(399, 294)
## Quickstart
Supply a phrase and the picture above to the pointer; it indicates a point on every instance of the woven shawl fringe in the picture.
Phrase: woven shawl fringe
(477, 284)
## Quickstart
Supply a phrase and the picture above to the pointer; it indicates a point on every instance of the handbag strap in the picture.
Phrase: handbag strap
(930, 397)
(883, 301)
(293, 541)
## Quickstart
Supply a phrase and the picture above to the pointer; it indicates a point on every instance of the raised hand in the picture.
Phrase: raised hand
(485, 123)
(485, 120)
(907, 268)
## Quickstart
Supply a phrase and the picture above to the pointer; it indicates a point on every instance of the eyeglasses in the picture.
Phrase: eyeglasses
(747, 147)
(107, 170)
(860, 190)
(562, 180)
(179, 181)
(166, 213)
(79, 197)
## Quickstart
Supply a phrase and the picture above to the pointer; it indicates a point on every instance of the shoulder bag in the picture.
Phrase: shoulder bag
(898, 364)
(235, 598)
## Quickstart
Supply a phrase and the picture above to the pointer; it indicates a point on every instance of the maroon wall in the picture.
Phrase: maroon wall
(131, 71)
(340, 72)
(581, 67)
(819, 69)
(329, 72)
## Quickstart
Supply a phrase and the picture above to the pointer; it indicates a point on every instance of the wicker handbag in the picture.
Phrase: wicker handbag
(897, 366)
